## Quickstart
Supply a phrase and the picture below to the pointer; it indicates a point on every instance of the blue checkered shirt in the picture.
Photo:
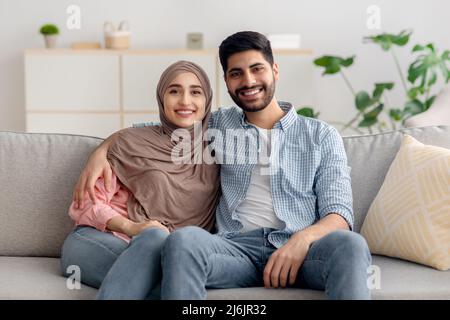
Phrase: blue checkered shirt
(309, 175)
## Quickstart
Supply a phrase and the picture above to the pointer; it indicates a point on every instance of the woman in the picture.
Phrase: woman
(118, 239)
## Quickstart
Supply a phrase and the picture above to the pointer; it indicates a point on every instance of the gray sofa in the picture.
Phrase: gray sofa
(37, 175)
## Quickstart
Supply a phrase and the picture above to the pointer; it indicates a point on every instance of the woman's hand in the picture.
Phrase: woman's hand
(137, 227)
(124, 225)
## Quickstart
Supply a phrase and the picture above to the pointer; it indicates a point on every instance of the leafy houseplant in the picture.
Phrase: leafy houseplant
(423, 73)
(50, 33)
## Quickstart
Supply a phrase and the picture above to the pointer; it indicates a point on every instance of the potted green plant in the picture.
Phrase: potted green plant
(372, 108)
(50, 33)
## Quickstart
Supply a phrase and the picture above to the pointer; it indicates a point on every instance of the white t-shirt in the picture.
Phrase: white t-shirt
(256, 210)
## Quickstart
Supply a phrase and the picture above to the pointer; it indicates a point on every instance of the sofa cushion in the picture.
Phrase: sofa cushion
(410, 216)
(370, 156)
(37, 176)
(39, 278)
(399, 279)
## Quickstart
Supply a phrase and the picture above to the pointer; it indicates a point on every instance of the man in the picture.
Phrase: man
(285, 222)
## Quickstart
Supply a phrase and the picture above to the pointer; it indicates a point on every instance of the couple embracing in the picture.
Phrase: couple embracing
(278, 215)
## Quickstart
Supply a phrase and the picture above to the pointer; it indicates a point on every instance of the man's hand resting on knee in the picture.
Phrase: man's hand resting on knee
(284, 264)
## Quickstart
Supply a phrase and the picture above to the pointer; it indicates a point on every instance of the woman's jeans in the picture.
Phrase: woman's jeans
(120, 270)
(194, 260)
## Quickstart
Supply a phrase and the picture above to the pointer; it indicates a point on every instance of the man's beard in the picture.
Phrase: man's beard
(269, 93)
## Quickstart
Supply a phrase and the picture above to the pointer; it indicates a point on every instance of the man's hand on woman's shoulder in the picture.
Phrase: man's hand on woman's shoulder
(97, 166)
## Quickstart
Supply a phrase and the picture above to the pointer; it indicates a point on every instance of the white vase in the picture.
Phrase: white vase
(50, 41)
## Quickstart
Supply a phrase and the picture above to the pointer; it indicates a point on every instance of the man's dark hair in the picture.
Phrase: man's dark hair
(243, 41)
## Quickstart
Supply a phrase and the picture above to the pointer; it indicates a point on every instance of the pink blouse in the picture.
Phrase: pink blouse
(109, 205)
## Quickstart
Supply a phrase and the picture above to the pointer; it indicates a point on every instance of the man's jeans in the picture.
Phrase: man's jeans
(194, 260)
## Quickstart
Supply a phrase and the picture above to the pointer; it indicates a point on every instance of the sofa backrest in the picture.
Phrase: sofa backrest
(38, 173)
(37, 176)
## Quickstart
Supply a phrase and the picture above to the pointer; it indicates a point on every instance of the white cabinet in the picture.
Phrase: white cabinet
(139, 117)
(72, 82)
(90, 124)
(97, 92)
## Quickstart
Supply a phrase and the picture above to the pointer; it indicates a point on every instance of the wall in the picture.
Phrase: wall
(328, 27)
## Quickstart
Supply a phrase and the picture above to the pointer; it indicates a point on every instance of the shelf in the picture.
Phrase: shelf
(144, 51)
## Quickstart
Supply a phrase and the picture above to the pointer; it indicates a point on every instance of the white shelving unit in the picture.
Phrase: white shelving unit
(97, 92)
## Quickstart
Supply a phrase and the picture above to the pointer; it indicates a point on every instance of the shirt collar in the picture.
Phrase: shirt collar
(284, 123)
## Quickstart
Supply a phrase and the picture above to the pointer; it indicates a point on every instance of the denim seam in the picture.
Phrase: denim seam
(94, 242)
(246, 259)
(226, 255)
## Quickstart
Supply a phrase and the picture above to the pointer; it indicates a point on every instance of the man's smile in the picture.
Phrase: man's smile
(250, 94)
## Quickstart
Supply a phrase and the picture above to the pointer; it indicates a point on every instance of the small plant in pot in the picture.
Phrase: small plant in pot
(50, 33)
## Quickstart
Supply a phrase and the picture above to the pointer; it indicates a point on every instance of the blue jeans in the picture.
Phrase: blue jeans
(120, 270)
(194, 260)
(93, 251)
(136, 274)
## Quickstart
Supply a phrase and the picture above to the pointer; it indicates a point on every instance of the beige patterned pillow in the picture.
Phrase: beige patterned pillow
(410, 216)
